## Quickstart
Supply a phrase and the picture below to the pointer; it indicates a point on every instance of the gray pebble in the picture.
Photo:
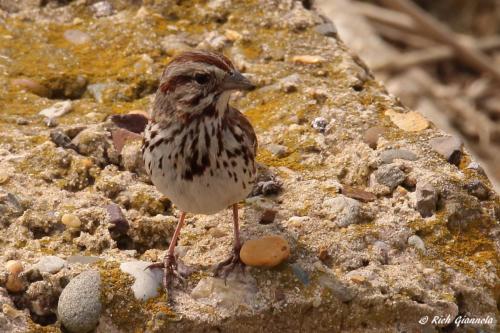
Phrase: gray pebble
(79, 306)
(427, 198)
(102, 8)
(83, 260)
(319, 124)
(327, 29)
(279, 151)
(389, 175)
(388, 156)
(478, 189)
(50, 264)
(338, 289)
(449, 147)
(346, 211)
(416, 242)
(76, 36)
(300, 273)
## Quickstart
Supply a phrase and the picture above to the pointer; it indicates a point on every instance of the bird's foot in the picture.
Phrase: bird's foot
(170, 271)
(227, 266)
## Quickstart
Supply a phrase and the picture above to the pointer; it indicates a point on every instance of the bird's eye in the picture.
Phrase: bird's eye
(201, 78)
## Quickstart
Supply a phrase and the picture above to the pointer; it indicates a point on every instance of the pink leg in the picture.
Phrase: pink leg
(236, 227)
(169, 263)
(229, 264)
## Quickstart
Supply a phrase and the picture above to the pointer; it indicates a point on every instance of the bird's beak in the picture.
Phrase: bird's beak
(237, 81)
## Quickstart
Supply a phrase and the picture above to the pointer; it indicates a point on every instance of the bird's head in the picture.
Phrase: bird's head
(196, 81)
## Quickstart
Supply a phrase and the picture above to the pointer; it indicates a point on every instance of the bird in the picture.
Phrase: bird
(198, 150)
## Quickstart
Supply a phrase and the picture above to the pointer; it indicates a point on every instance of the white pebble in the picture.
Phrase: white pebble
(57, 110)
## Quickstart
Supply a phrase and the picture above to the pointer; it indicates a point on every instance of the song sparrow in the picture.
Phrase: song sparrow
(198, 150)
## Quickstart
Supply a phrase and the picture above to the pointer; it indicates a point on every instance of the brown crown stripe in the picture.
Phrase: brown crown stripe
(209, 58)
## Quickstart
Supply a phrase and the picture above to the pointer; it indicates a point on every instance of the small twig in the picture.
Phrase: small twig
(386, 16)
(432, 54)
(431, 26)
(401, 36)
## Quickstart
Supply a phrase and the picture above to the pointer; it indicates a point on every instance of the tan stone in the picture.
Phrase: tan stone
(14, 282)
(410, 121)
(308, 59)
(71, 221)
(267, 251)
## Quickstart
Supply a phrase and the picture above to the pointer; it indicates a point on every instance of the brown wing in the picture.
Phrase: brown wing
(245, 125)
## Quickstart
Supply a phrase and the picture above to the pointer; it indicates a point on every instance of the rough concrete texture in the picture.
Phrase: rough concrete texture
(353, 267)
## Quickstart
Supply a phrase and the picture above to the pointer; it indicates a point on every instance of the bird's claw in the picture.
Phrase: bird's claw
(225, 267)
(170, 271)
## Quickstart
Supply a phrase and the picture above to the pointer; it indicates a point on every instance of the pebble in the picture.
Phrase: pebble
(308, 59)
(388, 156)
(478, 189)
(411, 121)
(267, 251)
(61, 139)
(323, 254)
(476, 166)
(4, 177)
(267, 216)
(232, 35)
(97, 90)
(371, 136)
(230, 294)
(102, 9)
(71, 221)
(300, 273)
(132, 159)
(121, 136)
(279, 151)
(327, 29)
(358, 194)
(133, 122)
(31, 86)
(449, 147)
(55, 111)
(290, 83)
(346, 211)
(83, 260)
(389, 175)
(50, 264)
(339, 290)
(117, 220)
(427, 198)
(269, 187)
(14, 281)
(76, 36)
(319, 124)
(79, 306)
(416, 242)
(10, 207)
(462, 210)
(147, 281)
